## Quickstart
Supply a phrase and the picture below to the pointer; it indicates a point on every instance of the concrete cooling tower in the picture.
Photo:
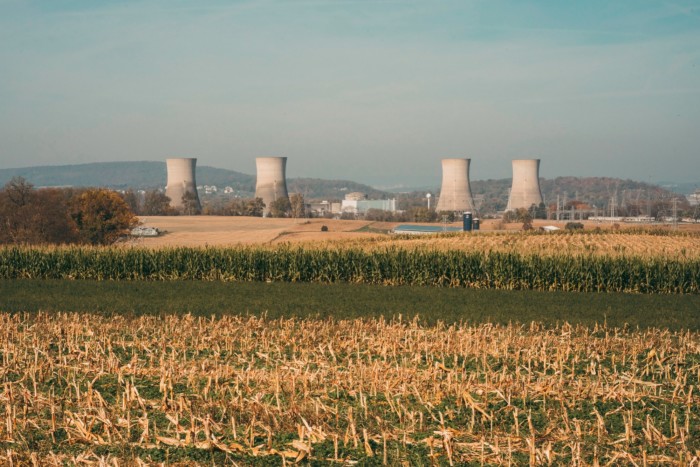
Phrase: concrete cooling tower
(180, 181)
(525, 190)
(271, 182)
(455, 193)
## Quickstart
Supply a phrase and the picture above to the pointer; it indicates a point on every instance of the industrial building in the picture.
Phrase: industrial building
(455, 192)
(181, 180)
(362, 206)
(271, 183)
(324, 208)
(357, 203)
(525, 188)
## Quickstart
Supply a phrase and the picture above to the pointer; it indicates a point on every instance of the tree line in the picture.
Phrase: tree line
(95, 216)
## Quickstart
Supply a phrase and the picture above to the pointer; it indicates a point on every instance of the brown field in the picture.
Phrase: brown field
(227, 231)
(90, 390)
(224, 230)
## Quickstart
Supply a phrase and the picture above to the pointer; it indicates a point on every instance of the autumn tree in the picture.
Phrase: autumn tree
(32, 216)
(280, 207)
(296, 202)
(52, 222)
(190, 204)
(101, 216)
(254, 207)
(16, 212)
(156, 203)
(133, 200)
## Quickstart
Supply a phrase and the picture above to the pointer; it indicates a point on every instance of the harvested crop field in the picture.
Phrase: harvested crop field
(227, 231)
(81, 388)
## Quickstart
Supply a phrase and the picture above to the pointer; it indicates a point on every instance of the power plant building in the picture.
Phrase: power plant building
(181, 180)
(362, 206)
(525, 189)
(455, 192)
(271, 183)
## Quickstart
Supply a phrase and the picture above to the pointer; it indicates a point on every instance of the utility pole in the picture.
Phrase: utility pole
(675, 213)
(613, 205)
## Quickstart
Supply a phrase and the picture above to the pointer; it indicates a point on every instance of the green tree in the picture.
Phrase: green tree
(102, 216)
(540, 211)
(422, 214)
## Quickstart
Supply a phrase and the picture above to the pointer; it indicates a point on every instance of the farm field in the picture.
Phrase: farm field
(223, 231)
(349, 301)
(380, 265)
(279, 344)
(182, 390)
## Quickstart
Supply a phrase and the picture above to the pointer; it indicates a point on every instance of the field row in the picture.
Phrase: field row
(218, 390)
(649, 244)
(349, 301)
(385, 266)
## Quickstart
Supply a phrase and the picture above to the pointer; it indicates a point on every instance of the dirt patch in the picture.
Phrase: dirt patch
(225, 230)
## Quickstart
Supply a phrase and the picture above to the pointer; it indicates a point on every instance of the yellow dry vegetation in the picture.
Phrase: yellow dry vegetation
(605, 243)
(73, 384)
(231, 231)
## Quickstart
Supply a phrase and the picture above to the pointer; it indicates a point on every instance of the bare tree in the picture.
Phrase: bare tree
(297, 205)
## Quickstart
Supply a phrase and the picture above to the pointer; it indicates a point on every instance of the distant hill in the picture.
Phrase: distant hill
(316, 188)
(150, 175)
(595, 191)
(121, 175)
(494, 193)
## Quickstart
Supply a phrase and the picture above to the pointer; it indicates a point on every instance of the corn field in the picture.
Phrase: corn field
(648, 244)
(92, 390)
(385, 266)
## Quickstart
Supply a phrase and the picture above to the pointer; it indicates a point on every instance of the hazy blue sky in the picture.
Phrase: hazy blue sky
(370, 90)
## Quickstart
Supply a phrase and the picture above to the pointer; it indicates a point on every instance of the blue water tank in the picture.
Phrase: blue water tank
(467, 221)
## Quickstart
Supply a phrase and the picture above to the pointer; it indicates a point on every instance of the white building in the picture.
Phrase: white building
(362, 206)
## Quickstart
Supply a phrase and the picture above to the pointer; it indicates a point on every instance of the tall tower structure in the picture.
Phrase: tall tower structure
(455, 193)
(271, 182)
(181, 180)
(525, 189)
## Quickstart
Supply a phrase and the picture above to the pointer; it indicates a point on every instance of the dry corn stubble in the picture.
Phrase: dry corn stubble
(88, 389)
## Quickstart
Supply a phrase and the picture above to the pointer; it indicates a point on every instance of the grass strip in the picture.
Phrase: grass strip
(347, 301)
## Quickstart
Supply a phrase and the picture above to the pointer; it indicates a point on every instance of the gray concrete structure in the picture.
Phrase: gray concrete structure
(181, 180)
(455, 193)
(525, 189)
(271, 183)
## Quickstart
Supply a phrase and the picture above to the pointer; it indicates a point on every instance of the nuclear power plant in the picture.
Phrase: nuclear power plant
(525, 189)
(181, 180)
(455, 193)
(271, 182)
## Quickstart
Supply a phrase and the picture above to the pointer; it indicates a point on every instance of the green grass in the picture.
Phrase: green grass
(346, 301)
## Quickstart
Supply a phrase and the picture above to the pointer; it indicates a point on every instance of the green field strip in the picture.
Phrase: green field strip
(347, 301)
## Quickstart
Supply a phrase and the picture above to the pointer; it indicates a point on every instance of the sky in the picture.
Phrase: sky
(375, 91)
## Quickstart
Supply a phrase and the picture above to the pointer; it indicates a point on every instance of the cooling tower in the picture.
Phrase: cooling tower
(271, 182)
(455, 193)
(525, 190)
(180, 181)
